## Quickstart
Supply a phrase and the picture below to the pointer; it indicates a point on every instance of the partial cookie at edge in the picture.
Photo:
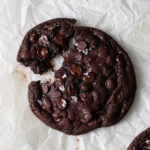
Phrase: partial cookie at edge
(141, 142)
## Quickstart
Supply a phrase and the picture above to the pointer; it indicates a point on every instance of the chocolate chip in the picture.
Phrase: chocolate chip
(75, 69)
(89, 78)
(56, 117)
(43, 40)
(51, 26)
(70, 89)
(61, 103)
(44, 52)
(46, 103)
(82, 45)
(85, 115)
(106, 70)
(110, 84)
(32, 38)
(119, 58)
(44, 88)
(86, 97)
(84, 86)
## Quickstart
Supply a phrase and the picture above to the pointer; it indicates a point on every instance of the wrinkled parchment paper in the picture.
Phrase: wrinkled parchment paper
(128, 21)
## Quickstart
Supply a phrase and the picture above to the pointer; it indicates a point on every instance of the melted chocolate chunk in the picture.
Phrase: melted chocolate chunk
(75, 69)
(32, 38)
(89, 77)
(61, 103)
(82, 45)
(110, 84)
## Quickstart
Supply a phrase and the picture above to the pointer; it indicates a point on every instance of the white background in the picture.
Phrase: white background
(127, 21)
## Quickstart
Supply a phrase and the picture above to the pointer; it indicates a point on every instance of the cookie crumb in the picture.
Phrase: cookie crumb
(78, 140)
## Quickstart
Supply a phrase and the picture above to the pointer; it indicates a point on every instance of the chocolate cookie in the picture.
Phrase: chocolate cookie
(44, 42)
(141, 142)
(94, 88)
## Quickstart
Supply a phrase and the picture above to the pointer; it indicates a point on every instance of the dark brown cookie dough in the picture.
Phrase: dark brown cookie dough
(141, 142)
(44, 42)
(94, 88)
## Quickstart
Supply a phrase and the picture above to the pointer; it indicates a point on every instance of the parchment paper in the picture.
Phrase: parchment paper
(128, 21)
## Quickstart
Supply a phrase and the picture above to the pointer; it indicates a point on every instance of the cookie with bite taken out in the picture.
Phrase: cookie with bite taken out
(94, 88)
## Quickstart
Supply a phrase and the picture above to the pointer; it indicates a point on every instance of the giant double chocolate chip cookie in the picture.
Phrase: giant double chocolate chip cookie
(95, 86)
(141, 142)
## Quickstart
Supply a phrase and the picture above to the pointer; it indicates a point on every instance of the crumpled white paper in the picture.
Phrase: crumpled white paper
(128, 21)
